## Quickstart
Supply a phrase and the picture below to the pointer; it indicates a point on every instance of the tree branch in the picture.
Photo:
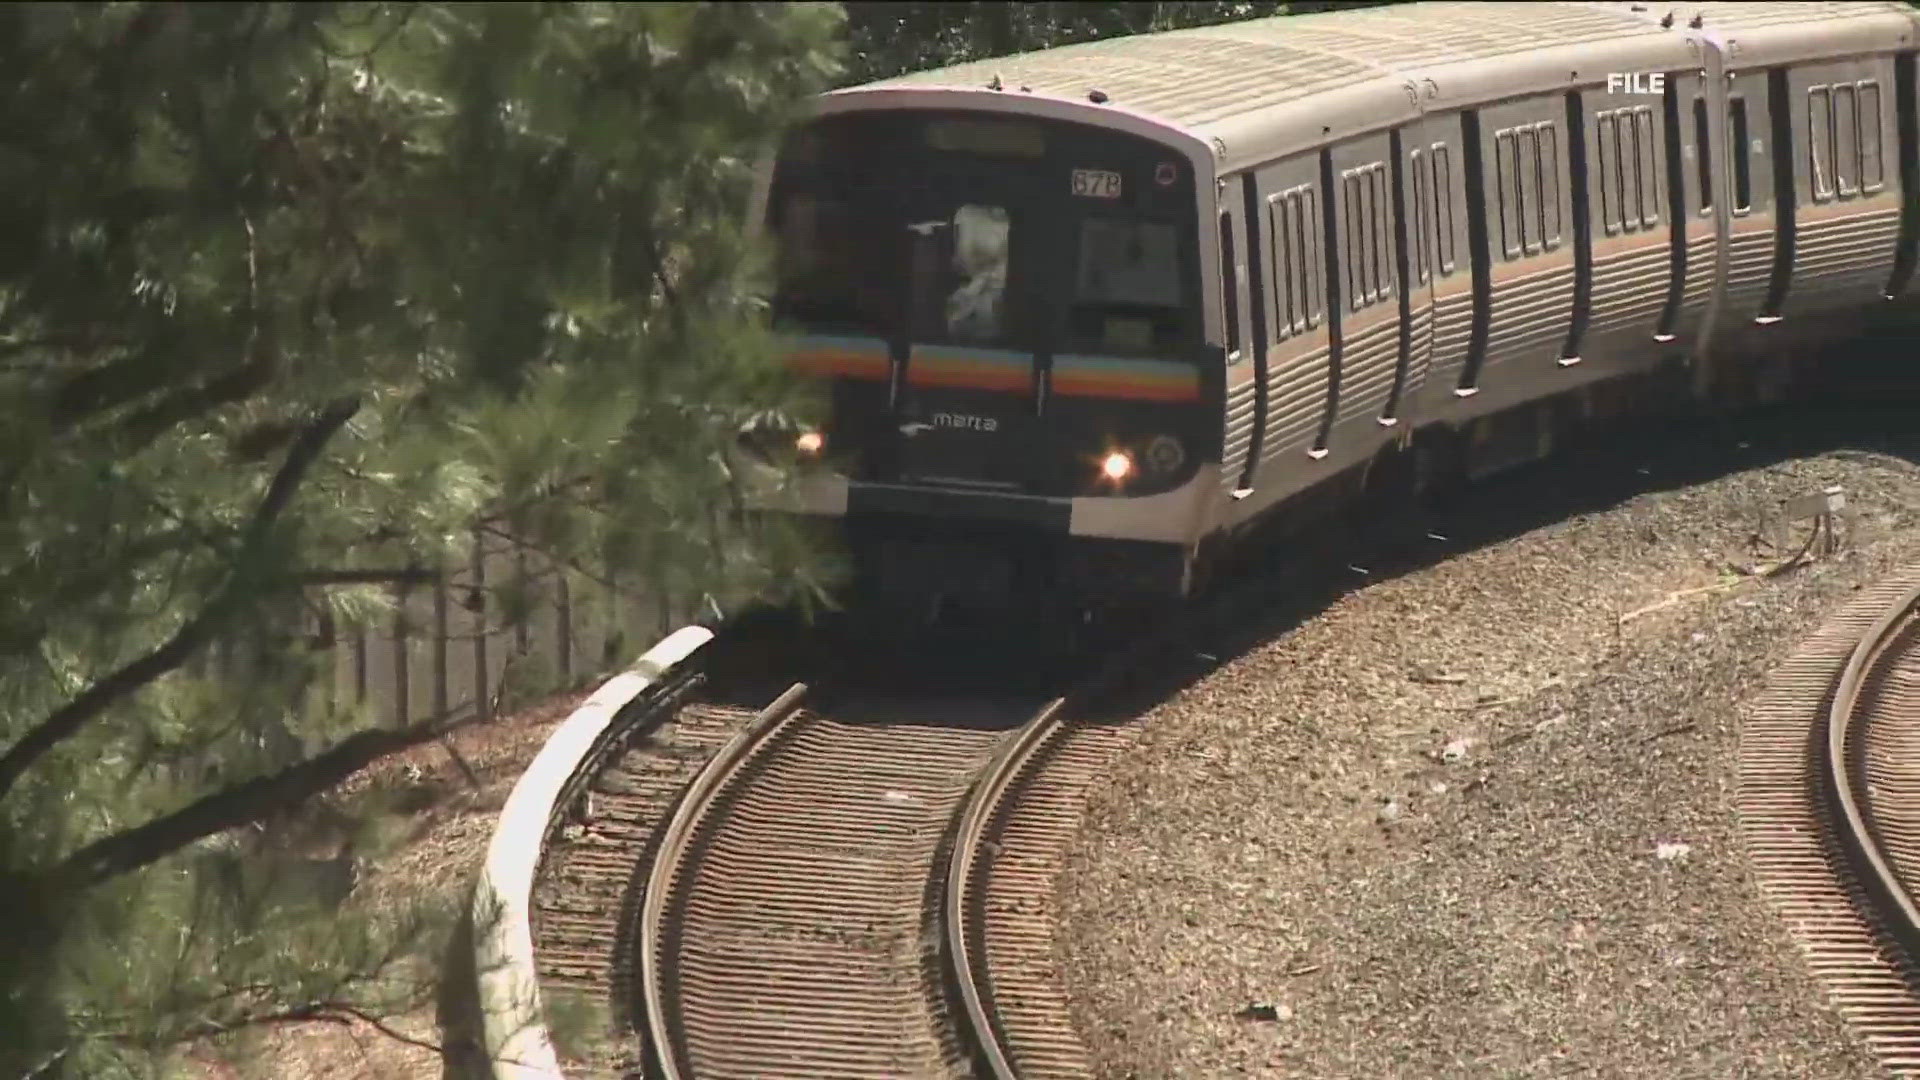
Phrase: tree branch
(324, 1012)
(21, 634)
(397, 576)
(242, 804)
(65, 721)
(554, 556)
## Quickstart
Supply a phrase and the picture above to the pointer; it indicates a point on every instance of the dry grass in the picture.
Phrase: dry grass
(445, 841)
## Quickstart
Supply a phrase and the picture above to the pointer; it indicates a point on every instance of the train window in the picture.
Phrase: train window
(1367, 234)
(1286, 313)
(1304, 216)
(1422, 196)
(1609, 178)
(1350, 234)
(1506, 168)
(1820, 141)
(1369, 231)
(1649, 180)
(1872, 171)
(1549, 186)
(1627, 172)
(1703, 163)
(972, 282)
(1443, 207)
(1229, 288)
(1632, 183)
(1292, 226)
(1380, 233)
(1739, 136)
(1846, 143)
(1526, 143)
(833, 268)
(1127, 295)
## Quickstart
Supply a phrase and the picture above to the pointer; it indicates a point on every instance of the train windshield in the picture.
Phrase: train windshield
(1127, 294)
(834, 272)
(994, 232)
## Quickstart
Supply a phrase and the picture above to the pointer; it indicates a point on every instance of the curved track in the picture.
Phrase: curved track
(583, 898)
(1830, 800)
(1000, 908)
(792, 921)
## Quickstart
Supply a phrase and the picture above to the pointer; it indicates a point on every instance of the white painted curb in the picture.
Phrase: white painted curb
(513, 1026)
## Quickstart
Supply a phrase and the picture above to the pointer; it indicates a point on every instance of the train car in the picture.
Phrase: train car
(1086, 316)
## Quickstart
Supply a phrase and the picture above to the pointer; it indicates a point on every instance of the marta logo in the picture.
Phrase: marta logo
(965, 422)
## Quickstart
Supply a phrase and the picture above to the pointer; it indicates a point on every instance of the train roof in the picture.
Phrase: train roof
(1264, 88)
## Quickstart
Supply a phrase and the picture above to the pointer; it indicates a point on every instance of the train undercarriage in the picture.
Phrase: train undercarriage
(925, 574)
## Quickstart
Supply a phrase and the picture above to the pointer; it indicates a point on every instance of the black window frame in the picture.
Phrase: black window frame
(1740, 154)
(1870, 131)
(1422, 192)
(1846, 140)
(1703, 160)
(1229, 288)
(1819, 140)
(1647, 155)
(1447, 257)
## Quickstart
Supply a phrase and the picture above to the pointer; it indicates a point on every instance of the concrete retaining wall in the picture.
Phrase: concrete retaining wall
(513, 1023)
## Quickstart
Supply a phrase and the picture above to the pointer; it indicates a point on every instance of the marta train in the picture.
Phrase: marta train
(1085, 316)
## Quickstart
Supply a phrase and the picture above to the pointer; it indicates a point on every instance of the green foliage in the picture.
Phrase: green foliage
(291, 297)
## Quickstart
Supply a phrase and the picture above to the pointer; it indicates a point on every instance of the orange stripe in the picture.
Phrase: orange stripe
(1083, 386)
(822, 363)
(975, 378)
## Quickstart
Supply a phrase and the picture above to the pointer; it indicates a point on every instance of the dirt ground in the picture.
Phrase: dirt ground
(1474, 817)
(441, 852)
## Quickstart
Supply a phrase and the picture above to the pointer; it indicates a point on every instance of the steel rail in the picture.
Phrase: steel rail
(675, 842)
(966, 858)
(1860, 840)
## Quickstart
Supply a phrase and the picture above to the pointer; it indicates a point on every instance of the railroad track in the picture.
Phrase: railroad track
(1830, 803)
(799, 890)
(584, 902)
(1000, 906)
(832, 887)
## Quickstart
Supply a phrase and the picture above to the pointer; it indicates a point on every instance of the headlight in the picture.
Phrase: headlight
(772, 436)
(1125, 467)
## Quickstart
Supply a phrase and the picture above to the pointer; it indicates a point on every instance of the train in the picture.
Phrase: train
(1085, 318)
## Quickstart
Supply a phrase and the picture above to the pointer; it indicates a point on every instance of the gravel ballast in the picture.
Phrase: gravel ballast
(1466, 821)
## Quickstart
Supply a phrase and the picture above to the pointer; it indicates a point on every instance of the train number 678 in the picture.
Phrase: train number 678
(1096, 184)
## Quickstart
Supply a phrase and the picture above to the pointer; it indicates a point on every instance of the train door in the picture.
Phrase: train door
(1364, 296)
(1242, 382)
(1520, 147)
(1847, 216)
(1625, 274)
(1451, 269)
(1906, 133)
(1288, 216)
(1759, 228)
(973, 333)
(1699, 230)
(1419, 217)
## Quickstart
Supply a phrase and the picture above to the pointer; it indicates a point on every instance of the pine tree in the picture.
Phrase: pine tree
(292, 297)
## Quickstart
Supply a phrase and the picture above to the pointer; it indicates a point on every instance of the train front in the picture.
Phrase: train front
(1006, 312)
